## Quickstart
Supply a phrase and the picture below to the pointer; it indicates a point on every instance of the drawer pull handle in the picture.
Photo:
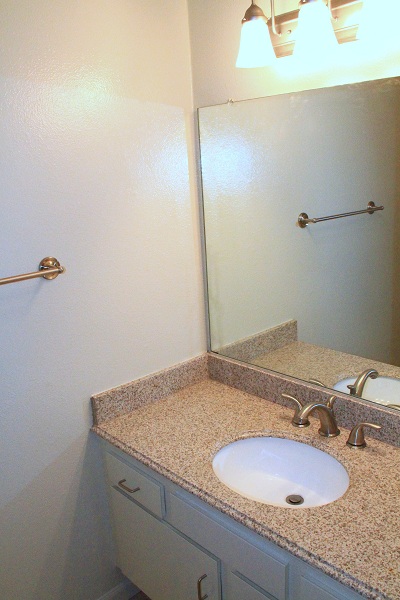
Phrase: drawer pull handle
(199, 596)
(126, 488)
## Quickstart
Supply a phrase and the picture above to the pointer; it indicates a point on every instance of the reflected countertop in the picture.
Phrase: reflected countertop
(308, 361)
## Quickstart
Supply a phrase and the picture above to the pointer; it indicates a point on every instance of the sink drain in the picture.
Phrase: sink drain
(294, 499)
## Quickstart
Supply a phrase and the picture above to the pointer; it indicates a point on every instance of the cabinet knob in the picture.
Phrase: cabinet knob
(199, 582)
(126, 488)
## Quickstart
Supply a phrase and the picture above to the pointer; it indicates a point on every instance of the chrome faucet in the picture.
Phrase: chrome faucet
(328, 426)
(357, 388)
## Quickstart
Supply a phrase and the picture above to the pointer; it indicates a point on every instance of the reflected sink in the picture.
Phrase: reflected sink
(278, 471)
(383, 390)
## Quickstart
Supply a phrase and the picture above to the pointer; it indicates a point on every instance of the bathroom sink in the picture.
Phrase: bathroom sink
(383, 390)
(281, 472)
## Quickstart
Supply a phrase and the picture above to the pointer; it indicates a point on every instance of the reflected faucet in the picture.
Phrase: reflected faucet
(357, 388)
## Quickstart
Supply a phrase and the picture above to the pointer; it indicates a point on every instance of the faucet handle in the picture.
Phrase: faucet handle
(332, 399)
(330, 402)
(357, 438)
(298, 403)
(317, 382)
(299, 406)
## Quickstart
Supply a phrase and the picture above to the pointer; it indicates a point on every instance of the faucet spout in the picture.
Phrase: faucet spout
(328, 426)
(357, 388)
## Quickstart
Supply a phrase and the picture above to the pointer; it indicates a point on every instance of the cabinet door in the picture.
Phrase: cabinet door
(158, 560)
(307, 589)
(237, 589)
(267, 571)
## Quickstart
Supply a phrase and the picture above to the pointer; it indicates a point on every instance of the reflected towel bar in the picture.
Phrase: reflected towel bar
(49, 267)
(303, 219)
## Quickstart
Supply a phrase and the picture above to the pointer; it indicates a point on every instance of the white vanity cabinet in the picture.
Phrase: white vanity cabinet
(266, 568)
(154, 556)
(174, 546)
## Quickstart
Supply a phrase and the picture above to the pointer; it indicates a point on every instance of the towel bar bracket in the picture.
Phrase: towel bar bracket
(49, 268)
(50, 263)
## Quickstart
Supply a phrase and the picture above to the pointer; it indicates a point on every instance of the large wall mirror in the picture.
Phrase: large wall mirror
(320, 302)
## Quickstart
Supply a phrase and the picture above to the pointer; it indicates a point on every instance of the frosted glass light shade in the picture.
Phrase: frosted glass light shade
(255, 48)
(314, 34)
(379, 25)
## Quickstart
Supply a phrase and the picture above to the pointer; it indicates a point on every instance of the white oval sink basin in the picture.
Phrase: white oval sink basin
(383, 390)
(270, 470)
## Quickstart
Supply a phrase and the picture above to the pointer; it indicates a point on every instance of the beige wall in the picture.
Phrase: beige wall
(96, 101)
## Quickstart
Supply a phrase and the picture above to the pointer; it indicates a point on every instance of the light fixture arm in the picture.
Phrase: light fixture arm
(329, 5)
(273, 22)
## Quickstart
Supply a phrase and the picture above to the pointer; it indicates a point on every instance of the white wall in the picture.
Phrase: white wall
(215, 34)
(94, 126)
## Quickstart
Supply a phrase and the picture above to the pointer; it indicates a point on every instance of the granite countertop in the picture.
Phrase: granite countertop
(355, 540)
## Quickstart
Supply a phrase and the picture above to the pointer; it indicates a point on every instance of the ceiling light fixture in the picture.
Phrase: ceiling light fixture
(314, 32)
(255, 48)
(256, 45)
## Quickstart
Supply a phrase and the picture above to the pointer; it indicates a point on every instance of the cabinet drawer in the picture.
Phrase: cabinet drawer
(144, 490)
(265, 570)
(237, 589)
(157, 559)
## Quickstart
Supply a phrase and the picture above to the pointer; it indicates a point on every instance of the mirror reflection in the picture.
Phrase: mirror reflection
(319, 302)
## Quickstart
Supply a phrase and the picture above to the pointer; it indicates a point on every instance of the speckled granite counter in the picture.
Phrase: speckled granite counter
(307, 361)
(354, 540)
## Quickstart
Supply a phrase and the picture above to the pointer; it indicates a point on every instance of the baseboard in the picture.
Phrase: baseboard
(123, 591)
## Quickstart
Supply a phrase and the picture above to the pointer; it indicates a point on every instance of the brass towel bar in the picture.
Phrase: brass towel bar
(303, 219)
(49, 268)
